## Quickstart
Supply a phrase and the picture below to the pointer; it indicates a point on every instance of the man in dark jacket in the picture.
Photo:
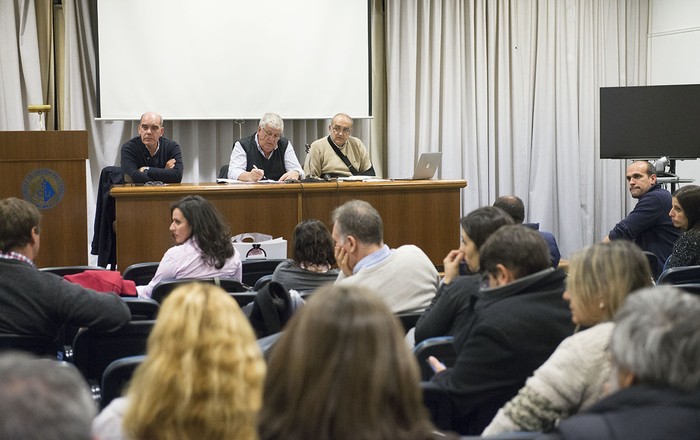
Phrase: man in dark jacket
(39, 303)
(515, 325)
(648, 225)
(655, 354)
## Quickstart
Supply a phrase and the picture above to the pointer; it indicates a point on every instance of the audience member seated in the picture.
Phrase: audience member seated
(404, 277)
(33, 302)
(685, 215)
(338, 154)
(266, 155)
(43, 399)
(513, 326)
(515, 207)
(600, 278)
(648, 225)
(313, 258)
(203, 246)
(202, 376)
(149, 156)
(341, 370)
(456, 292)
(655, 377)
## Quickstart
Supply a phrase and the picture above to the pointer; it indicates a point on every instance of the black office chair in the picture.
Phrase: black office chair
(243, 298)
(117, 374)
(680, 275)
(690, 288)
(408, 320)
(254, 269)
(93, 351)
(441, 347)
(439, 404)
(163, 289)
(653, 263)
(223, 172)
(142, 309)
(141, 273)
(69, 270)
(39, 345)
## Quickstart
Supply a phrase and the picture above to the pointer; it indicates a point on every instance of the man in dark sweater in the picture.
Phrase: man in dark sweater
(265, 155)
(33, 302)
(512, 327)
(648, 225)
(151, 157)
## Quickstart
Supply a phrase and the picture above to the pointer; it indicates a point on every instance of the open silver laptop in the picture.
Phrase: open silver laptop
(427, 166)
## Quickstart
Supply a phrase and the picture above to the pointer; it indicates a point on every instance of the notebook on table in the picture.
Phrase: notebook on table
(427, 166)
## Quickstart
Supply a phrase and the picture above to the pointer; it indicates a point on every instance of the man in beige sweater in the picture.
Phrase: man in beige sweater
(404, 277)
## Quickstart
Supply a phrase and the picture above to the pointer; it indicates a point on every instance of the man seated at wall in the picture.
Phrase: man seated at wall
(516, 322)
(515, 207)
(33, 302)
(43, 399)
(339, 154)
(265, 155)
(655, 377)
(149, 156)
(648, 225)
(405, 277)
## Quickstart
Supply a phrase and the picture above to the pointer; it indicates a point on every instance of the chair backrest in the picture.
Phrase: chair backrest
(262, 282)
(117, 374)
(439, 404)
(39, 345)
(243, 298)
(690, 288)
(141, 273)
(142, 309)
(163, 289)
(69, 270)
(94, 351)
(680, 275)
(223, 172)
(653, 263)
(408, 320)
(256, 268)
(441, 347)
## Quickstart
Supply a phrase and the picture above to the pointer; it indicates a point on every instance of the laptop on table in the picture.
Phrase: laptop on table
(427, 166)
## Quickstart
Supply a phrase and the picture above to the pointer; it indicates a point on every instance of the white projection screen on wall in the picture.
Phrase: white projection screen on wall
(233, 59)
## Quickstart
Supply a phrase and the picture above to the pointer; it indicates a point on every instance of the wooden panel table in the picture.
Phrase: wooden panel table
(425, 213)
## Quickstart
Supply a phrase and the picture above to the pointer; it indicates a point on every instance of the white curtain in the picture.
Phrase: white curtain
(508, 91)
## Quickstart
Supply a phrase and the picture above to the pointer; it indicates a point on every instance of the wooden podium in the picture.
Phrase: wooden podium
(47, 168)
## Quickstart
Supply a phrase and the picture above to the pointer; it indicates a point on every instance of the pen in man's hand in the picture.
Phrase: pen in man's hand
(254, 167)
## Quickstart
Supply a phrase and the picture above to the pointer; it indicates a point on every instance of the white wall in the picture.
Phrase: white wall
(674, 54)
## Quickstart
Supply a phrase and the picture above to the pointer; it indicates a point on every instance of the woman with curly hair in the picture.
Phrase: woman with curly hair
(203, 246)
(313, 258)
(202, 376)
(341, 370)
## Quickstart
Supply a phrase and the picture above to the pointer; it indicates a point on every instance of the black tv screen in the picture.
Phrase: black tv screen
(650, 122)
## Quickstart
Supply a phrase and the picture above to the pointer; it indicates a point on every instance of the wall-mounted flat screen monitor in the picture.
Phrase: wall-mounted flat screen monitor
(650, 122)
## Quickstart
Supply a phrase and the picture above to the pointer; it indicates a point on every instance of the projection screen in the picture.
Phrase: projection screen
(233, 59)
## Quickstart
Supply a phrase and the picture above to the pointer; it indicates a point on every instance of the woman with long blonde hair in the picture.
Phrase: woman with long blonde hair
(202, 377)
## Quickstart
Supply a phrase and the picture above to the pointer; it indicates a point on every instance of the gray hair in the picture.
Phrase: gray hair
(359, 219)
(41, 398)
(272, 120)
(657, 337)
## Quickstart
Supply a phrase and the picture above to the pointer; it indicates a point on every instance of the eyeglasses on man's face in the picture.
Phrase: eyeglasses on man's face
(145, 127)
(337, 129)
(272, 135)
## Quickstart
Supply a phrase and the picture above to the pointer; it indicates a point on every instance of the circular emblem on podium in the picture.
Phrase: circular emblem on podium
(43, 187)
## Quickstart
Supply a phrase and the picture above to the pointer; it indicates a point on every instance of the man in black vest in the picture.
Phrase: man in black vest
(266, 155)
